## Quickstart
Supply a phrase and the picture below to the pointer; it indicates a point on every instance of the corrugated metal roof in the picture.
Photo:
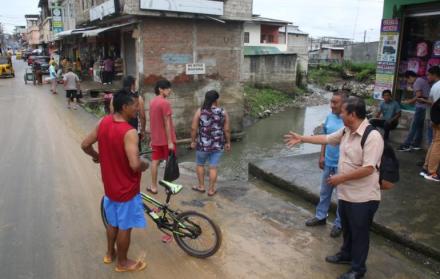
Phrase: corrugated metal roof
(261, 50)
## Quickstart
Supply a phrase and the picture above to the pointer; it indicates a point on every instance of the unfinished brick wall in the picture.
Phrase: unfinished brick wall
(169, 44)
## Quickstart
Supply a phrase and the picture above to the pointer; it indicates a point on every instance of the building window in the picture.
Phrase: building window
(270, 38)
(246, 37)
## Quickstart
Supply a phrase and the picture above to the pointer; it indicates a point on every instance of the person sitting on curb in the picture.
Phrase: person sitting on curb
(357, 181)
(121, 170)
(328, 162)
(388, 115)
(421, 88)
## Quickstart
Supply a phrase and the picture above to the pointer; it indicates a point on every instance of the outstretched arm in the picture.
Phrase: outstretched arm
(292, 139)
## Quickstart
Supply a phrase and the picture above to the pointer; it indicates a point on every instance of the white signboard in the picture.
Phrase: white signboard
(100, 11)
(195, 69)
(186, 6)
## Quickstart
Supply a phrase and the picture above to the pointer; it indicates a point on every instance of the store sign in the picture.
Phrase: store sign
(195, 69)
(100, 11)
(387, 56)
(57, 20)
(186, 6)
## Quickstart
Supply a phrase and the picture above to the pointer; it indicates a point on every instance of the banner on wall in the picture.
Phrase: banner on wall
(387, 56)
(57, 20)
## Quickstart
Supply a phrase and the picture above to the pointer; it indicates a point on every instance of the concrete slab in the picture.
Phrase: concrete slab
(408, 214)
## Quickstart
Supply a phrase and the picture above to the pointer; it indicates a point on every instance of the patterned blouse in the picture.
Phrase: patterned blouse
(211, 130)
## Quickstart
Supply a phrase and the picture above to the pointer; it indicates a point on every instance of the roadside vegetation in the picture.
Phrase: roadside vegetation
(259, 101)
(330, 73)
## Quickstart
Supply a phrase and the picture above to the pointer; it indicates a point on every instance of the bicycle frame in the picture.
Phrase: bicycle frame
(161, 221)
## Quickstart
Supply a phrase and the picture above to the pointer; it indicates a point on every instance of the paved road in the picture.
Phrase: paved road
(49, 211)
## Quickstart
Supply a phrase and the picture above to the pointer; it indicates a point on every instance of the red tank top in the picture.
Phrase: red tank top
(121, 183)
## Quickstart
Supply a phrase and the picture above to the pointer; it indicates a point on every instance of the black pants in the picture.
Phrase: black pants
(356, 220)
(107, 77)
(387, 127)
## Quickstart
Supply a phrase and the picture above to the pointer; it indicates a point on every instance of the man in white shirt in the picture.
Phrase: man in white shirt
(432, 160)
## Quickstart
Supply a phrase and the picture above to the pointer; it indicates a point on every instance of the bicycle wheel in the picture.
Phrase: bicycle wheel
(200, 237)
(103, 217)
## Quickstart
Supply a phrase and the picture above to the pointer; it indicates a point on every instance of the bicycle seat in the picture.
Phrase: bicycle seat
(171, 187)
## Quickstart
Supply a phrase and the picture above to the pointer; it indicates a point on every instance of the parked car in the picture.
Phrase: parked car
(43, 62)
(6, 68)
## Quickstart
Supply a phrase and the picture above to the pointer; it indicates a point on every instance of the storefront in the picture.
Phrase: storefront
(410, 40)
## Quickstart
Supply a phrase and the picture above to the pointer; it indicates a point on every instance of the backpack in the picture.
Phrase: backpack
(435, 112)
(389, 165)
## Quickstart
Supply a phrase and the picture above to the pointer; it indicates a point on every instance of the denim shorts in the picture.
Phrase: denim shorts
(125, 215)
(213, 157)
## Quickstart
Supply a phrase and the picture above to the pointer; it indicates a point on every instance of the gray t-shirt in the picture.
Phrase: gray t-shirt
(421, 85)
(70, 80)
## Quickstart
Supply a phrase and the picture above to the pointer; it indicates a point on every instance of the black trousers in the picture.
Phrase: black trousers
(356, 220)
(387, 127)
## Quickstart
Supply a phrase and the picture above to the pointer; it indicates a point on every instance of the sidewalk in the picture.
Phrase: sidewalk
(408, 214)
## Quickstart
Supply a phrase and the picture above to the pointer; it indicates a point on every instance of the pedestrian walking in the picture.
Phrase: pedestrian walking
(388, 115)
(53, 78)
(357, 182)
(421, 88)
(108, 71)
(163, 136)
(328, 162)
(72, 87)
(432, 159)
(210, 136)
(121, 170)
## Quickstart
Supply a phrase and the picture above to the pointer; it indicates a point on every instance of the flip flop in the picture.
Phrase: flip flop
(151, 191)
(108, 260)
(197, 189)
(212, 193)
(140, 265)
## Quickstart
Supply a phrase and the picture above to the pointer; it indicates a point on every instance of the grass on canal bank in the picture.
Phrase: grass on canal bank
(330, 73)
(258, 100)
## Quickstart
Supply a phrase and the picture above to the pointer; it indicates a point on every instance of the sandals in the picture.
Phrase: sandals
(107, 259)
(151, 191)
(197, 189)
(138, 266)
(211, 194)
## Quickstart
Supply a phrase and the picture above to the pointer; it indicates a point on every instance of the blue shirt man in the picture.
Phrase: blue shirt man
(389, 110)
(329, 164)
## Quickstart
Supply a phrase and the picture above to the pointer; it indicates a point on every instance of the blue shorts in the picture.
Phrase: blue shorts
(125, 215)
(213, 158)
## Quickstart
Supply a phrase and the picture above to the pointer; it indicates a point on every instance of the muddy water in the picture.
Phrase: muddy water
(265, 140)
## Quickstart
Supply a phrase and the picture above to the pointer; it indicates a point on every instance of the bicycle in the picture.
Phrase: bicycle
(189, 228)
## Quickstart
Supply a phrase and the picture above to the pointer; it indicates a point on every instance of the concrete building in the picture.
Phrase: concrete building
(361, 52)
(46, 35)
(32, 30)
(298, 43)
(197, 48)
(264, 32)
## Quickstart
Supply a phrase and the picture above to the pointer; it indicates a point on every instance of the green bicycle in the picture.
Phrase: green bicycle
(194, 232)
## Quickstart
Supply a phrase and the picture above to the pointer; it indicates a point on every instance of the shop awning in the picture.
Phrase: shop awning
(97, 31)
(71, 32)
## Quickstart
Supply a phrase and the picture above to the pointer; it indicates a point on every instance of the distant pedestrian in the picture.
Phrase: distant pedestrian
(108, 71)
(72, 87)
(388, 115)
(53, 78)
(357, 182)
(121, 170)
(421, 88)
(432, 160)
(328, 162)
(163, 136)
(210, 136)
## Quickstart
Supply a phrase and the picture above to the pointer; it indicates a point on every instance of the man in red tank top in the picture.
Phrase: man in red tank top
(121, 168)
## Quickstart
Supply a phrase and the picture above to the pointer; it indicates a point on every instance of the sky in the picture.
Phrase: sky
(339, 18)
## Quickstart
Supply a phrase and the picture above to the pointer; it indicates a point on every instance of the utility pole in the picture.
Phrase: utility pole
(365, 35)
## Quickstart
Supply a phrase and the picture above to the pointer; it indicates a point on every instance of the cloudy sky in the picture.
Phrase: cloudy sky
(342, 18)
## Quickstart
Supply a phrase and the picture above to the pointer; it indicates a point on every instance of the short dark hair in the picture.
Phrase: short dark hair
(122, 98)
(161, 84)
(127, 82)
(341, 94)
(387, 91)
(435, 70)
(410, 74)
(357, 106)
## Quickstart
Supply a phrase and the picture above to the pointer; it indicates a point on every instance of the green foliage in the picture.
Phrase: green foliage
(258, 100)
(330, 72)
(96, 109)
(322, 75)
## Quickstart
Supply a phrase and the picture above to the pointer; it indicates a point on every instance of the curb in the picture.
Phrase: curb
(313, 198)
